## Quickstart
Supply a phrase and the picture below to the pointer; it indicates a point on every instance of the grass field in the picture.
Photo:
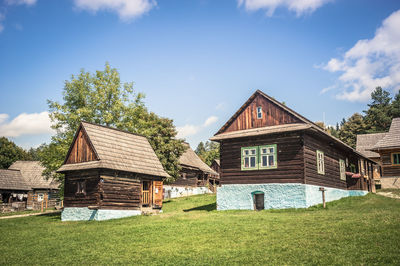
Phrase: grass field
(358, 230)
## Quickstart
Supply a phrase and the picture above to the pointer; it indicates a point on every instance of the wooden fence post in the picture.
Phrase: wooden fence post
(323, 196)
(46, 204)
(42, 206)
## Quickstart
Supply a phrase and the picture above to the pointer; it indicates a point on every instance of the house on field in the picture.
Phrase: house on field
(13, 187)
(110, 173)
(42, 189)
(273, 158)
(388, 149)
(366, 142)
(196, 177)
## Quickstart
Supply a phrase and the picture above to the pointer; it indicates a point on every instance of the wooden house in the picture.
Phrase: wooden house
(366, 142)
(13, 187)
(388, 149)
(42, 189)
(216, 166)
(109, 174)
(196, 177)
(272, 157)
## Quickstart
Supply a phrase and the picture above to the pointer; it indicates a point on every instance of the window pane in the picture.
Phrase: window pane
(271, 150)
(264, 151)
(271, 160)
(253, 152)
(246, 152)
(252, 162)
(246, 162)
(264, 161)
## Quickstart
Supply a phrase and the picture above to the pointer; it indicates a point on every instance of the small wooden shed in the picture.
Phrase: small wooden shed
(110, 173)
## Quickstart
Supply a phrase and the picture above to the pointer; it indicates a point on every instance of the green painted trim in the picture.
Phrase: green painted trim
(242, 158)
(323, 160)
(275, 157)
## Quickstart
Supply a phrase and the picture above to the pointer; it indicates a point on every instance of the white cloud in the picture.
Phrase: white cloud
(25, 124)
(370, 63)
(300, 7)
(21, 2)
(190, 130)
(126, 9)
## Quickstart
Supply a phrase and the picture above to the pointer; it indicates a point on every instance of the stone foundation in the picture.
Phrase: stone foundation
(390, 182)
(278, 196)
(85, 214)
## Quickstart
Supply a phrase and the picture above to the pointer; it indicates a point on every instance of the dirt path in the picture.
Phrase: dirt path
(389, 195)
(28, 214)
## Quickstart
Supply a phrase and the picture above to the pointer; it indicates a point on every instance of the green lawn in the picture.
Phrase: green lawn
(358, 230)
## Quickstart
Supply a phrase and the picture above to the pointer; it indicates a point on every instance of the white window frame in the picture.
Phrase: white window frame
(247, 152)
(320, 162)
(342, 167)
(259, 112)
(268, 153)
(40, 197)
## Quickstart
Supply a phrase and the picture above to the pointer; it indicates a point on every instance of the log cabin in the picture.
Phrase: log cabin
(196, 177)
(43, 189)
(272, 157)
(388, 149)
(13, 187)
(110, 173)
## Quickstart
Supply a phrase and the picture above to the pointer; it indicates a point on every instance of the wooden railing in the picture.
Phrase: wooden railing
(146, 197)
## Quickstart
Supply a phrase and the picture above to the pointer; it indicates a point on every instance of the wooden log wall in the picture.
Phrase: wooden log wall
(272, 115)
(119, 193)
(91, 196)
(188, 178)
(388, 169)
(289, 159)
(81, 150)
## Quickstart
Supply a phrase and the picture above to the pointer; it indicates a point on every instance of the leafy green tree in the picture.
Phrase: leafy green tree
(10, 152)
(350, 128)
(378, 116)
(208, 152)
(395, 106)
(101, 98)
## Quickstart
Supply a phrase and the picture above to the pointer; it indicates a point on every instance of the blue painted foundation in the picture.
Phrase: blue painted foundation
(278, 196)
(84, 214)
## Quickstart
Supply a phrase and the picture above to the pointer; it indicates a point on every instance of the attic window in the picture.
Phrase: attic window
(259, 112)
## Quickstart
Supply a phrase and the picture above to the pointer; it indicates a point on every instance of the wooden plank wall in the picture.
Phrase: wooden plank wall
(272, 115)
(158, 193)
(389, 170)
(92, 195)
(81, 150)
(120, 193)
(290, 160)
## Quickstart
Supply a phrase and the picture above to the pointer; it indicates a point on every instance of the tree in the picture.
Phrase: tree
(378, 116)
(208, 152)
(101, 98)
(395, 106)
(349, 130)
(10, 152)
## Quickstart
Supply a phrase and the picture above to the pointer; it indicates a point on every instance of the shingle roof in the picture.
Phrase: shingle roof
(391, 139)
(119, 150)
(32, 171)
(366, 141)
(260, 131)
(190, 158)
(217, 161)
(13, 180)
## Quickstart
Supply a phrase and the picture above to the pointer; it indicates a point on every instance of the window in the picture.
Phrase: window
(320, 162)
(40, 197)
(267, 157)
(250, 158)
(259, 112)
(353, 168)
(396, 158)
(342, 167)
(81, 187)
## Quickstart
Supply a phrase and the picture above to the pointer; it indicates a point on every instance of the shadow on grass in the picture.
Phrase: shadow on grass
(208, 207)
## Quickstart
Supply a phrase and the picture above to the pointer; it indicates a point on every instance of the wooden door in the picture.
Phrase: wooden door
(146, 193)
(158, 193)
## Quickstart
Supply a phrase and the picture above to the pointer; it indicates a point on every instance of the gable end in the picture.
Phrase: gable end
(81, 149)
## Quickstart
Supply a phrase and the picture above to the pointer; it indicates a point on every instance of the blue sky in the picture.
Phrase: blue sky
(198, 61)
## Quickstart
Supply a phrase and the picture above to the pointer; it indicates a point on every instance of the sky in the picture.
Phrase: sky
(198, 61)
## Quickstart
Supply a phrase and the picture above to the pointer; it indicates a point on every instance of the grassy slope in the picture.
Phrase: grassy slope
(359, 230)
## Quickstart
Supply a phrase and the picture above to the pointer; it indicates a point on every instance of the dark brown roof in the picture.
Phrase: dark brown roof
(366, 141)
(119, 150)
(32, 171)
(189, 158)
(391, 139)
(13, 180)
(308, 125)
